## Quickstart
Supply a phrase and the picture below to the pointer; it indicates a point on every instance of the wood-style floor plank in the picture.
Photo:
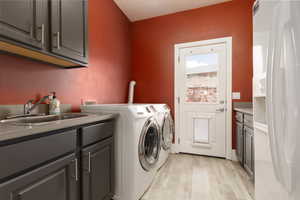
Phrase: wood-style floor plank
(190, 177)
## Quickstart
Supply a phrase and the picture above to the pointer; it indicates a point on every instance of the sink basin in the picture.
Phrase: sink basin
(39, 120)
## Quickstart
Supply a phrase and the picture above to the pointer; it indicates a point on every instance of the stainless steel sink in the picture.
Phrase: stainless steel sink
(40, 120)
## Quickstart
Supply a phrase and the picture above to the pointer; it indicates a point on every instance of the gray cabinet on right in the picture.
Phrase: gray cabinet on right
(248, 150)
(245, 141)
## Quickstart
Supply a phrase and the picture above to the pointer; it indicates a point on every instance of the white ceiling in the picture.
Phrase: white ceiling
(143, 9)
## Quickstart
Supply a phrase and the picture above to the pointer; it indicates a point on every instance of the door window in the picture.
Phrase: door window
(202, 78)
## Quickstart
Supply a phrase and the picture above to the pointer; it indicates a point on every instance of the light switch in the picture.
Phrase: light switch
(236, 95)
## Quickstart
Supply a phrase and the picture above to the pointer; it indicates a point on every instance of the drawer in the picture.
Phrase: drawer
(95, 133)
(239, 117)
(21, 156)
(248, 120)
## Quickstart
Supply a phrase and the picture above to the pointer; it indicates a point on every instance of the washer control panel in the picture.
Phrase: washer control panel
(142, 111)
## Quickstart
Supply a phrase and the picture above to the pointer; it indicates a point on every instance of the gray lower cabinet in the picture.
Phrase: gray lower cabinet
(57, 180)
(64, 165)
(98, 171)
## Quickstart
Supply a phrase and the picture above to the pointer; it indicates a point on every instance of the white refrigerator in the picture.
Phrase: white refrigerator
(276, 99)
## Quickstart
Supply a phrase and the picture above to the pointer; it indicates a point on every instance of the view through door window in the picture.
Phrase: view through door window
(202, 78)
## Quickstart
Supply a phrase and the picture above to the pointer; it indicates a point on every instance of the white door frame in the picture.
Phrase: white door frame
(228, 42)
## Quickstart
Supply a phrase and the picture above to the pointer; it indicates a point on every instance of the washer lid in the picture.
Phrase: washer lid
(167, 131)
(149, 144)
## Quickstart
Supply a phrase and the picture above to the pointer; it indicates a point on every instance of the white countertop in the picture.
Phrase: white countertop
(11, 131)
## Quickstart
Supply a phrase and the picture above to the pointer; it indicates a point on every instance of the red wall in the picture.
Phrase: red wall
(105, 79)
(153, 47)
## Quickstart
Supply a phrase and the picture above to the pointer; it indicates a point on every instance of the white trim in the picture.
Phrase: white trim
(234, 155)
(173, 149)
(228, 42)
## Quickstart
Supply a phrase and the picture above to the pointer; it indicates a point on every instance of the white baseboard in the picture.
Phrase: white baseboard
(234, 156)
(174, 149)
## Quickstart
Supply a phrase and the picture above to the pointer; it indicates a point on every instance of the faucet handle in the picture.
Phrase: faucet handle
(28, 106)
(29, 102)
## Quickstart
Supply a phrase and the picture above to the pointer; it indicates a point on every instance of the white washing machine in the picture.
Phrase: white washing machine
(137, 147)
(165, 121)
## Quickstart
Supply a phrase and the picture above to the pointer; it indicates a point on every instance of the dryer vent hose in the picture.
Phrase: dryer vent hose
(131, 92)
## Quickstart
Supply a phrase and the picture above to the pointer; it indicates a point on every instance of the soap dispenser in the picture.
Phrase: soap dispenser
(54, 105)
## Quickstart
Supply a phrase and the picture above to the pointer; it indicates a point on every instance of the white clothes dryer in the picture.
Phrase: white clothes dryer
(165, 121)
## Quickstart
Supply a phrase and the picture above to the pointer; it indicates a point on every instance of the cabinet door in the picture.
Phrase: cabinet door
(69, 29)
(240, 142)
(248, 160)
(58, 180)
(98, 171)
(24, 21)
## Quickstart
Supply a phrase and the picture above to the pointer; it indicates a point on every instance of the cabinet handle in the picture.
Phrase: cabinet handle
(42, 28)
(89, 167)
(220, 110)
(57, 39)
(76, 169)
(248, 121)
(31, 31)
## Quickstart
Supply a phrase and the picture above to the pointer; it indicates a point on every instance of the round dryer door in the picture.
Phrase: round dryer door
(167, 131)
(149, 144)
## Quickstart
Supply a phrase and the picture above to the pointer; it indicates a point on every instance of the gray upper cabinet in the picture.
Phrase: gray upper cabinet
(68, 29)
(57, 180)
(98, 171)
(53, 31)
(24, 21)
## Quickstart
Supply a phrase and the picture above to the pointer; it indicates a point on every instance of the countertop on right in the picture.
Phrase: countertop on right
(246, 110)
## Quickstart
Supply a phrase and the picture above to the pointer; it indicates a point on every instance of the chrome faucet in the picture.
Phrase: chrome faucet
(29, 106)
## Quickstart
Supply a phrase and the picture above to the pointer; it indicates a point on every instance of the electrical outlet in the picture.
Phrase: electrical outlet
(236, 95)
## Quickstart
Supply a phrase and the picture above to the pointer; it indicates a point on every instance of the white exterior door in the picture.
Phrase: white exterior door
(201, 99)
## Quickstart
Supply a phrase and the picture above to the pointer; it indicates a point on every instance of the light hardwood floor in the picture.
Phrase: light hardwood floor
(189, 177)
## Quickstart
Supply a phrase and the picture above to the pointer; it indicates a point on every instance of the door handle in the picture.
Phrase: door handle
(42, 28)
(57, 35)
(89, 167)
(31, 31)
(178, 100)
(220, 110)
(76, 169)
